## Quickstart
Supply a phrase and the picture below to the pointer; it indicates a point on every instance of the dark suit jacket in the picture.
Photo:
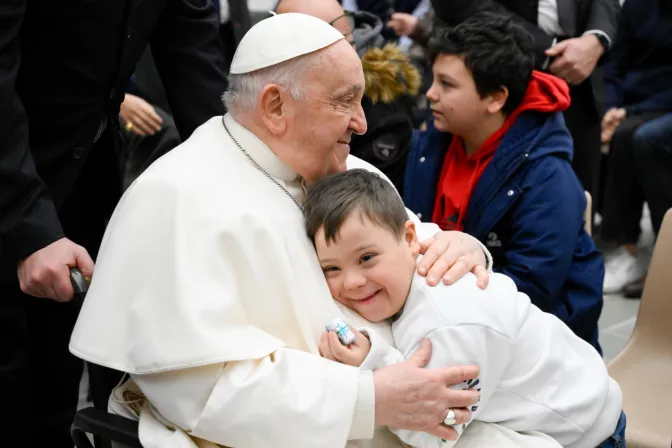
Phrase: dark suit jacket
(64, 66)
(591, 15)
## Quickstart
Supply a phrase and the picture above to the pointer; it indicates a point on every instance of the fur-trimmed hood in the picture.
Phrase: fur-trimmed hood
(388, 72)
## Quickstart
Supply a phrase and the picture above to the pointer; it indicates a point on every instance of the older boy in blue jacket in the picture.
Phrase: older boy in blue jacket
(495, 162)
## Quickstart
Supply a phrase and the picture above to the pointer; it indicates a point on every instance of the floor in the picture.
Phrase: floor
(619, 314)
(616, 324)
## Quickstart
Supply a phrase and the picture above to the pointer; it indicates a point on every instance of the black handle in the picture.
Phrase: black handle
(79, 282)
(109, 427)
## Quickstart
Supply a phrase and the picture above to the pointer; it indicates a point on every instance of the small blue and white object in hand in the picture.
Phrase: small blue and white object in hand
(344, 333)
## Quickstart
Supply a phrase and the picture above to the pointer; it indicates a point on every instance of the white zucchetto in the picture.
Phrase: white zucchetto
(280, 38)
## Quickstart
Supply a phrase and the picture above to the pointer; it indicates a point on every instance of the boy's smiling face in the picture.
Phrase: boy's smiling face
(368, 268)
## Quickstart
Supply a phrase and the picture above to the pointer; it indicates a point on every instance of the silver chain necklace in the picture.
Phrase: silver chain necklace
(263, 171)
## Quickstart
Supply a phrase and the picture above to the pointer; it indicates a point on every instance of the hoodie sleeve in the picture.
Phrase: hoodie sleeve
(545, 225)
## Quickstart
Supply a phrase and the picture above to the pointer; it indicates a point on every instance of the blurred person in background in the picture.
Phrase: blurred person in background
(638, 81)
(570, 38)
(148, 129)
(384, 9)
(64, 67)
(653, 161)
(652, 154)
(235, 21)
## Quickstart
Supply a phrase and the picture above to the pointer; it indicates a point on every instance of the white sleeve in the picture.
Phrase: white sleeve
(381, 354)
(287, 399)
(464, 345)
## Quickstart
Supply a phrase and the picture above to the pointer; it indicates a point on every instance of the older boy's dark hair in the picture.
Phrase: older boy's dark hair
(331, 200)
(497, 52)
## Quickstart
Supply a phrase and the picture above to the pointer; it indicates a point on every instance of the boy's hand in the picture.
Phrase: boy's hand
(352, 355)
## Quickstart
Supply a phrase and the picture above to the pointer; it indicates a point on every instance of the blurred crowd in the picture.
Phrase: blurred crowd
(84, 113)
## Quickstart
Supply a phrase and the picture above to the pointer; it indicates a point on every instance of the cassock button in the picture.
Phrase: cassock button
(422, 160)
(509, 193)
(419, 215)
(128, 32)
(112, 92)
(78, 152)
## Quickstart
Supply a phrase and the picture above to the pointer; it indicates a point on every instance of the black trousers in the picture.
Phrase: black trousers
(653, 166)
(39, 377)
(623, 194)
(584, 123)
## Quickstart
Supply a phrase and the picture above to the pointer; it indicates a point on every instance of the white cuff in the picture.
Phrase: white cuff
(381, 354)
(365, 408)
(488, 258)
(601, 33)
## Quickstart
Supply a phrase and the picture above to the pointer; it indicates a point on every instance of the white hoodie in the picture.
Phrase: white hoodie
(535, 374)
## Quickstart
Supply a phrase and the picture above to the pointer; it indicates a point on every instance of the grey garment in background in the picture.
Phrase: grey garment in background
(138, 152)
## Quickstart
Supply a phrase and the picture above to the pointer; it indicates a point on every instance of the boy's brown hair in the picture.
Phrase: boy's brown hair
(331, 200)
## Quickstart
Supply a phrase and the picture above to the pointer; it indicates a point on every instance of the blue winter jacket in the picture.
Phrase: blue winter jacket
(528, 209)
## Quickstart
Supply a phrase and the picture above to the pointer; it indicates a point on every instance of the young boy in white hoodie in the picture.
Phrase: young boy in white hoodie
(535, 374)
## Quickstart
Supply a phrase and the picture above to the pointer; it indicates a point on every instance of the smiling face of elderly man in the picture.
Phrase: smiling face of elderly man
(310, 110)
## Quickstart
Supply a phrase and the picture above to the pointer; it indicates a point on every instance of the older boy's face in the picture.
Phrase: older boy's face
(368, 268)
(456, 105)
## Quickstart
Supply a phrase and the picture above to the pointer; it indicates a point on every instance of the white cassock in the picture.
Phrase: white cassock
(209, 293)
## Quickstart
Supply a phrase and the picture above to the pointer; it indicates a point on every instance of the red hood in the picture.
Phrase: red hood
(545, 93)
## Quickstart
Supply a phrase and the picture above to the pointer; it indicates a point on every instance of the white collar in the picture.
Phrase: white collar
(259, 151)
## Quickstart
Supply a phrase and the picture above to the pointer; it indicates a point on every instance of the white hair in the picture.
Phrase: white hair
(241, 94)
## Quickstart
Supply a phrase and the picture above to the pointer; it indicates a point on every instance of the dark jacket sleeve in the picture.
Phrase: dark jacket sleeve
(455, 11)
(189, 56)
(661, 101)
(28, 218)
(603, 16)
(618, 61)
(546, 224)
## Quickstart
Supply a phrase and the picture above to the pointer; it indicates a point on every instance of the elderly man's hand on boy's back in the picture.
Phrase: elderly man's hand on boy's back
(443, 257)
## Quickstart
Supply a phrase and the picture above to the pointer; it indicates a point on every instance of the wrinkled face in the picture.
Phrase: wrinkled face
(321, 125)
(456, 105)
(368, 268)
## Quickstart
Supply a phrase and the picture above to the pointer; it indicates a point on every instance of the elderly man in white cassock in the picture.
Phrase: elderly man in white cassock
(208, 292)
